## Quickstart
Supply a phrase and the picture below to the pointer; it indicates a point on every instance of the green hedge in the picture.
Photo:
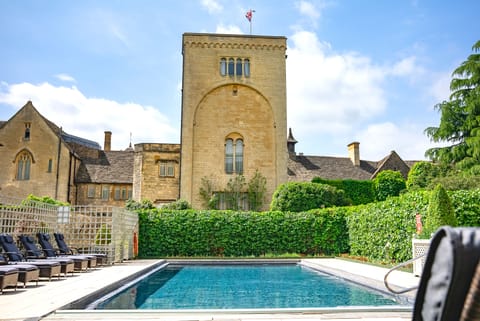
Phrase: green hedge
(383, 230)
(228, 233)
(359, 192)
(380, 231)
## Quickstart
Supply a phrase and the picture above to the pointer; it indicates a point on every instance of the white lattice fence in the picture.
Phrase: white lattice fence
(99, 229)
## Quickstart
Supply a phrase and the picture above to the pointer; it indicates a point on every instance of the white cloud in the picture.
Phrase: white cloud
(329, 92)
(65, 77)
(308, 9)
(407, 140)
(88, 117)
(231, 29)
(212, 6)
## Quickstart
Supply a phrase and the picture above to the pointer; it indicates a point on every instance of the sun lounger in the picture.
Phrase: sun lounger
(26, 272)
(33, 252)
(47, 268)
(64, 249)
(81, 262)
(8, 277)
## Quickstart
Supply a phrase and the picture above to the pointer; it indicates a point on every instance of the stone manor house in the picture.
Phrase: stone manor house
(234, 121)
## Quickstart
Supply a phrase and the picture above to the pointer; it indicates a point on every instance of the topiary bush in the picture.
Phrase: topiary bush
(303, 196)
(439, 213)
(388, 183)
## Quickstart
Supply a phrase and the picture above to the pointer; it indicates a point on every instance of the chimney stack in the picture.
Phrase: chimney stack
(107, 144)
(354, 153)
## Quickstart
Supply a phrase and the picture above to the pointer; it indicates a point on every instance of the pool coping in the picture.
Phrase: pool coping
(45, 301)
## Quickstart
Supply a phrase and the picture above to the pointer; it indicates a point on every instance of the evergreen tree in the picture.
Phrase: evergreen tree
(460, 118)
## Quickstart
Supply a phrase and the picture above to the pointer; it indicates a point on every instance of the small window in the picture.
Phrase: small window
(24, 161)
(27, 131)
(239, 67)
(246, 66)
(223, 66)
(105, 193)
(124, 193)
(91, 191)
(130, 194)
(50, 165)
(231, 67)
(167, 169)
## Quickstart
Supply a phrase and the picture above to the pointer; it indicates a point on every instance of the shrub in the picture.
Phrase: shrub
(356, 191)
(440, 212)
(134, 205)
(457, 182)
(421, 174)
(177, 205)
(388, 183)
(303, 196)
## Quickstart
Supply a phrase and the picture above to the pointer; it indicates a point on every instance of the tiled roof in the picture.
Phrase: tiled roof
(114, 167)
(305, 168)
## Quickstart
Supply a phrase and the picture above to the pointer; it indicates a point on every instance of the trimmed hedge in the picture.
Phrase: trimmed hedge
(228, 233)
(359, 192)
(380, 231)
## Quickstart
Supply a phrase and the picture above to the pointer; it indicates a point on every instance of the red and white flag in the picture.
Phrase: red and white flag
(249, 15)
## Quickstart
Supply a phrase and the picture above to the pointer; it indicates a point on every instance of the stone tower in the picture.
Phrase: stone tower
(233, 111)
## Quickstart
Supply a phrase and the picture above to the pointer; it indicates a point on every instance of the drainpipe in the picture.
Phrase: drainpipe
(58, 162)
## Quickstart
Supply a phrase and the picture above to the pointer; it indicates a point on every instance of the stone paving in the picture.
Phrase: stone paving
(45, 301)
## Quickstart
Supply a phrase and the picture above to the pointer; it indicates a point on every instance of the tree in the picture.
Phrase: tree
(460, 118)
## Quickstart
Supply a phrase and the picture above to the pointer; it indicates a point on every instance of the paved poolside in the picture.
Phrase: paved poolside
(43, 302)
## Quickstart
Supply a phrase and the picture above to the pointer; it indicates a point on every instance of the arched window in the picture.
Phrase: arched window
(24, 161)
(246, 66)
(234, 155)
(231, 67)
(223, 66)
(238, 72)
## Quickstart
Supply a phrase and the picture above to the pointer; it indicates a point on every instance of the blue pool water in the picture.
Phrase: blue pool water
(242, 287)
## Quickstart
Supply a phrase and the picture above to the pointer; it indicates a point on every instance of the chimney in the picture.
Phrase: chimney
(354, 153)
(291, 143)
(107, 144)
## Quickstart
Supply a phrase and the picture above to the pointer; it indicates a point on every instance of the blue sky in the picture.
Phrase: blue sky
(367, 71)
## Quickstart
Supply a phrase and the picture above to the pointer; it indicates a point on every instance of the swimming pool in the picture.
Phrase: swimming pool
(278, 286)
